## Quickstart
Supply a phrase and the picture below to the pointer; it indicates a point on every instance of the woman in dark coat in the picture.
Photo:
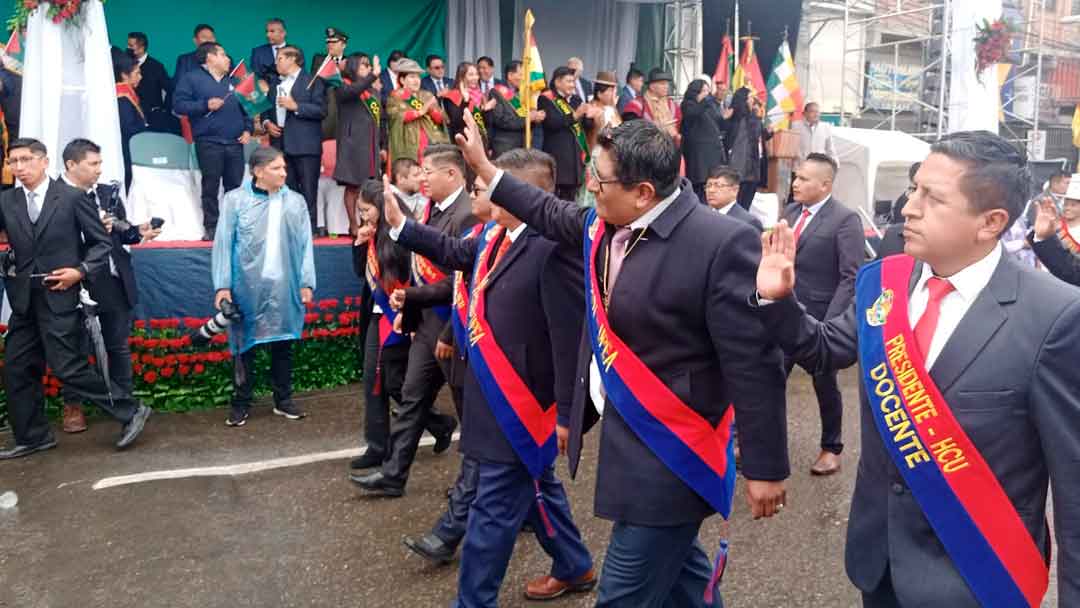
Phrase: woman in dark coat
(746, 136)
(359, 114)
(132, 120)
(702, 142)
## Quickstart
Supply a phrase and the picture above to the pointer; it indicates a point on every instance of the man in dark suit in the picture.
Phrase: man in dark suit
(219, 126)
(563, 113)
(675, 303)
(583, 88)
(295, 124)
(336, 41)
(829, 253)
(58, 240)
(721, 192)
(635, 80)
(999, 342)
(1047, 244)
(190, 61)
(506, 125)
(485, 67)
(449, 212)
(436, 81)
(154, 87)
(532, 305)
(389, 77)
(263, 62)
(114, 287)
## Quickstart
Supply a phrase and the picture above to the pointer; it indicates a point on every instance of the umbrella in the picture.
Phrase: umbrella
(93, 328)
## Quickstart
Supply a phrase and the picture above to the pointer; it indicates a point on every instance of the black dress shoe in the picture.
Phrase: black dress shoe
(443, 441)
(18, 451)
(432, 548)
(366, 461)
(376, 484)
(134, 427)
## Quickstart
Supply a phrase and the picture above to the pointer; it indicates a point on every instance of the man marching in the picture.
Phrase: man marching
(670, 343)
(520, 314)
(970, 403)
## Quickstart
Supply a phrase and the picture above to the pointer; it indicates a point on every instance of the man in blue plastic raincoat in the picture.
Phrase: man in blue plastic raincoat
(263, 262)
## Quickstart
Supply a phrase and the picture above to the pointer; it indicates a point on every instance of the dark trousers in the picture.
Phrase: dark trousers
(882, 597)
(831, 407)
(452, 524)
(280, 374)
(506, 498)
(115, 331)
(303, 177)
(389, 367)
(424, 376)
(567, 192)
(649, 567)
(42, 336)
(221, 165)
(747, 190)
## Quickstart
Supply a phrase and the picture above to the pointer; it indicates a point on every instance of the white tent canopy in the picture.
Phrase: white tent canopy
(874, 165)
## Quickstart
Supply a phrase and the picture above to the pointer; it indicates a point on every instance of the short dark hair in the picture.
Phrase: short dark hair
(725, 172)
(541, 164)
(199, 28)
(123, 64)
(205, 49)
(810, 104)
(487, 60)
(634, 73)
(34, 145)
(511, 67)
(433, 57)
(560, 72)
(394, 56)
(262, 156)
(401, 166)
(446, 154)
(140, 38)
(823, 159)
(78, 148)
(997, 176)
(277, 20)
(292, 51)
(643, 153)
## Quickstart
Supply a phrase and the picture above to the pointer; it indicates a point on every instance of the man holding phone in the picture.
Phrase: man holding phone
(58, 240)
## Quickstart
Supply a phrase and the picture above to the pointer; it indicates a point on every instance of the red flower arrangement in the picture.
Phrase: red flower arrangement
(993, 41)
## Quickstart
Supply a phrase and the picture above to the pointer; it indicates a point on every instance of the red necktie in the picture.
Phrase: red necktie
(802, 222)
(501, 251)
(924, 329)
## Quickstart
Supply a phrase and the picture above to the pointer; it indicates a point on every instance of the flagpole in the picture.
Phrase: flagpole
(526, 89)
(236, 67)
(737, 59)
(317, 72)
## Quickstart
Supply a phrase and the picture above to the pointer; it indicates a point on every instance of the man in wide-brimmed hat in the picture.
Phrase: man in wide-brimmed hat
(656, 104)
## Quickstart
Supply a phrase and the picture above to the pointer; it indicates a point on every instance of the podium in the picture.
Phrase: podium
(783, 150)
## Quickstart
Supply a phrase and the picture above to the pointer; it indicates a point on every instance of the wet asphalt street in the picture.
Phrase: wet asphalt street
(301, 535)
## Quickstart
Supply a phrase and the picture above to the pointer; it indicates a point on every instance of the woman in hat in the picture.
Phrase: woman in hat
(655, 104)
(415, 120)
(357, 133)
(702, 147)
(601, 114)
(466, 97)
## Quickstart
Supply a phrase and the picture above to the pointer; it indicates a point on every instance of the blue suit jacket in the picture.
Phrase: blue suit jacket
(263, 65)
(535, 307)
(428, 84)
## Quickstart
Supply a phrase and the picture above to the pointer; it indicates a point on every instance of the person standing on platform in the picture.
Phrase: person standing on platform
(635, 80)
(189, 62)
(564, 133)
(436, 81)
(358, 129)
(703, 142)
(219, 125)
(389, 79)
(1056, 236)
(829, 252)
(406, 178)
(656, 104)
(415, 118)
(815, 137)
(722, 192)
(263, 262)
(486, 80)
(295, 124)
(114, 287)
(133, 119)
(425, 313)
(507, 130)
(969, 401)
(745, 138)
(521, 315)
(582, 87)
(154, 86)
(702, 353)
(466, 97)
(606, 116)
(263, 62)
(336, 41)
(58, 240)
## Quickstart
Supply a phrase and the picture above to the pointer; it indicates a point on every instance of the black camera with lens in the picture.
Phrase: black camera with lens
(111, 205)
(217, 324)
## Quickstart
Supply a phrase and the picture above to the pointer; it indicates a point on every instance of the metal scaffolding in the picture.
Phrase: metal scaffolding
(682, 42)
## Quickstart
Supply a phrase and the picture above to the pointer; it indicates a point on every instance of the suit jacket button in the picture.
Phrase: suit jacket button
(897, 488)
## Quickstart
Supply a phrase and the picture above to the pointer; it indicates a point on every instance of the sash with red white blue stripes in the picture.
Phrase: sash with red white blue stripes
(701, 455)
(387, 335)
(958, 492)
(426, 273)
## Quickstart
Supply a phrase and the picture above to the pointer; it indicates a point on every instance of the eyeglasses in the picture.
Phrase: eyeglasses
(436, 170)
(719, 185)
(15, 161)
(595, 176)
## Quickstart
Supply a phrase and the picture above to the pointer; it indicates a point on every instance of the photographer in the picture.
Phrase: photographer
(264, 264)
(113, 288)
(58, 240)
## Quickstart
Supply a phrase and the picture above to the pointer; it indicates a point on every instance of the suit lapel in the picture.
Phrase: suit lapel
(818, 219)
(513, 253)
(22, 216)
(52, 202)
(982, 321)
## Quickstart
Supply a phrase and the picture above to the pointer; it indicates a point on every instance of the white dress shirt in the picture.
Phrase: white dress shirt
(97, 201)
(395, 231)
(968, 284)
(724, 210)
(277, 47)
(285, 88)
(516, 232)
(39, 194)
(813, 209)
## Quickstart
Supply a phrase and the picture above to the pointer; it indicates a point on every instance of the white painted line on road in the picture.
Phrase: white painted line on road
(241, 468)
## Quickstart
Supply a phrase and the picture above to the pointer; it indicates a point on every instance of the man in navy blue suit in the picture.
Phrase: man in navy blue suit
(722, 192)
(295, 124)
(678, 342)
(189, 61)
(525, 307)
(263, 60)
(436, 80)
(485, 66)
(388, 77)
